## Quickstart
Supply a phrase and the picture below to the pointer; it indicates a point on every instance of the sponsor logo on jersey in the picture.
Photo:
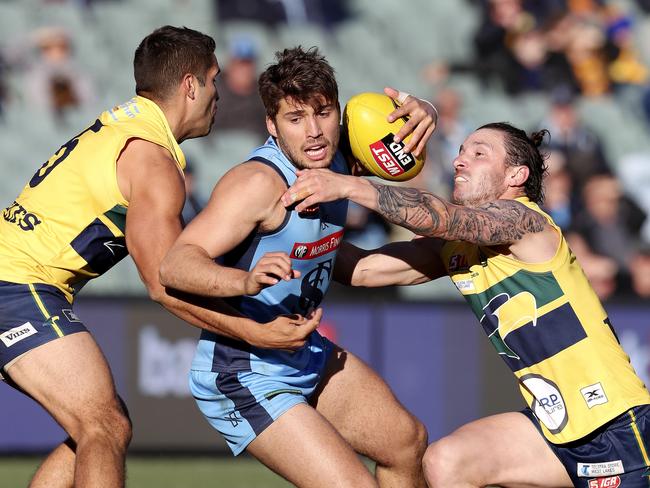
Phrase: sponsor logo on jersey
(17, 214)
(590, 470)
(458, 262)
(391, 157)
(548, 404)
(17, 334)
(611, 482)
(594, 395)
(310, 250)
(300, 251)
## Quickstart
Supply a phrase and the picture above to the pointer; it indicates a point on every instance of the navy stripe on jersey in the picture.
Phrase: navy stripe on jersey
(229, 354)
(245, 403)
(99, 247)
(241, 257)
(553, 332)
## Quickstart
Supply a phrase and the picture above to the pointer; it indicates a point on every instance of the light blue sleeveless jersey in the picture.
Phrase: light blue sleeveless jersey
(311, 239)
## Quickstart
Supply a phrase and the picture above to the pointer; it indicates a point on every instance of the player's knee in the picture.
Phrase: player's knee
(441, 464)
(112, 430)
(409, 443)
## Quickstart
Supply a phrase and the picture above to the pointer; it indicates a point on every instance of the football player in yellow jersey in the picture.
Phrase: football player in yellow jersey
(588, 420)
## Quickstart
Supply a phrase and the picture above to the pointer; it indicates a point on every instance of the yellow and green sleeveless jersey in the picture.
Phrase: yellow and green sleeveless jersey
(67, 225)
(549, 326)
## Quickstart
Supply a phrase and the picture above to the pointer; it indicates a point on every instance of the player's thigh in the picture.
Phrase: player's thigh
(361, 406)
(304, 447)
(269, 417)
(505, 450)
(47, 352)
(70, 377)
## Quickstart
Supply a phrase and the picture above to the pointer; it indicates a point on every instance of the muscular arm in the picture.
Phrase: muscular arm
(493, 223)
(150, 181)
(398, 263)
(244, 199)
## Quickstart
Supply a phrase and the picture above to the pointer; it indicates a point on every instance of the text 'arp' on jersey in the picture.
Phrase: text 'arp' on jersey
(310, 250)
(391, 157)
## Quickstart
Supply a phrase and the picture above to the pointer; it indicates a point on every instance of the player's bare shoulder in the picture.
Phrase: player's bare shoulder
(530, 235)
(258, 181)
(143, 163)
(254, 187)
(513, 220)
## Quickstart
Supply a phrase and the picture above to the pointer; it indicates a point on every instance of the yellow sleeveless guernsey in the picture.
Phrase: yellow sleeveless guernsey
(67, 226)
(549, 326)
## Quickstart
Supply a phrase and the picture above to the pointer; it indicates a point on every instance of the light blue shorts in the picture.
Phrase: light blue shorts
(240, 405)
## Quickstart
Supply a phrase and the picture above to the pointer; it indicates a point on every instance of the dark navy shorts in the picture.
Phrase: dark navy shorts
(32, 315)
(617, 454)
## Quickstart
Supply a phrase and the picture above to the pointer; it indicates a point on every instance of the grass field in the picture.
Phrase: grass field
(166, 472)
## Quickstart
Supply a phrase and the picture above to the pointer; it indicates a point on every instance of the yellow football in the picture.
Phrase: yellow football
(371, 137)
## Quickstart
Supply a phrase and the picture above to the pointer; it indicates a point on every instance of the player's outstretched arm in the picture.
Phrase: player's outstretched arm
(493, 223)
(151, 182)
(425, 214)
(398, 263)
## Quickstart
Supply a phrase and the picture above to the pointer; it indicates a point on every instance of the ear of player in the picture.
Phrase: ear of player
(371, 138)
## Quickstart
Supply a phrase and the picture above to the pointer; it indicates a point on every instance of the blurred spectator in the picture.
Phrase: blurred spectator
(512, 48)
(610, 222)
(601, 271)
(558, 191)
(625, 68)
(644, 5)
(585, 50)
(53, 81)
(634, 174)
(239, 106)
(581, 147)
(494, 60)
(640, 273)
(451, 130)
(194, 203)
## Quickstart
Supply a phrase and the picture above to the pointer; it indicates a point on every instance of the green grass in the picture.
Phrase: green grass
(145, 472)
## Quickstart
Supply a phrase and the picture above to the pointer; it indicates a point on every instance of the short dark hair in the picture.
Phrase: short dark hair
(166, 55)
(522, 150)
(300, 75)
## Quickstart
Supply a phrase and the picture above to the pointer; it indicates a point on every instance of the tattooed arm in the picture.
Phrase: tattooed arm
(500, 222)
(492, 223)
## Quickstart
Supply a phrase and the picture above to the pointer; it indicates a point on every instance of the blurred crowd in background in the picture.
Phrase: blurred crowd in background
(558, 55)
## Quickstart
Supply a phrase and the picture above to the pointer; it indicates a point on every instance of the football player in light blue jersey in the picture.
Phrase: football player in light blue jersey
(308, 411)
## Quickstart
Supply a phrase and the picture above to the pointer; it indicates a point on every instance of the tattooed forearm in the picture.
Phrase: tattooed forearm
(419, 211)
(499, 222)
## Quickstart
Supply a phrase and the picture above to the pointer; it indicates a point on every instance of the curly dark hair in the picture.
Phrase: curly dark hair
(166, 55)
(301, 75)
(522, 150)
